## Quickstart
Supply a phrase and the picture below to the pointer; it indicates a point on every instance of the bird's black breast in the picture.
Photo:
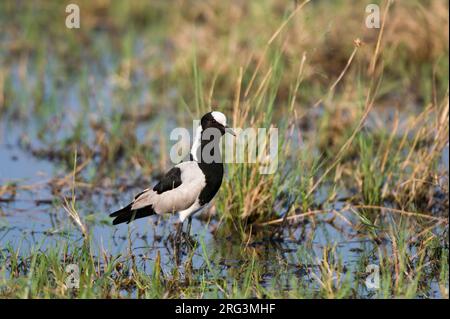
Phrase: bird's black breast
(171, 180)
(213, 176)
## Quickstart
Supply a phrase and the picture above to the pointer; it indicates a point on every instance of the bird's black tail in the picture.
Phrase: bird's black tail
(126, 215)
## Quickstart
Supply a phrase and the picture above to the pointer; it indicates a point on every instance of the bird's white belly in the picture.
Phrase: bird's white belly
(194, 208)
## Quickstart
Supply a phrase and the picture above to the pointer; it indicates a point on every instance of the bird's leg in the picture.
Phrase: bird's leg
(179, 231)
(188, 230)
(176, 240)
(187, 235)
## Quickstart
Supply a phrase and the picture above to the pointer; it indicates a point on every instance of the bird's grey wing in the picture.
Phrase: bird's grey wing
(171, 180)
(176, 191)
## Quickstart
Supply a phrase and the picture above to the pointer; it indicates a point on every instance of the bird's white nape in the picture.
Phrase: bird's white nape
(197, 142)
(219, 117)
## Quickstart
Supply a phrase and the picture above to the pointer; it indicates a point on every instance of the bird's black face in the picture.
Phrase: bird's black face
(208, 121)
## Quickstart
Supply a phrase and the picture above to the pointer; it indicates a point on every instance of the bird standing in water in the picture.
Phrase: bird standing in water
(189, 186)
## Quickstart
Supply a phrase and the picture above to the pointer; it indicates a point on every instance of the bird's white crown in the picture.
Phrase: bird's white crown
(219, 117)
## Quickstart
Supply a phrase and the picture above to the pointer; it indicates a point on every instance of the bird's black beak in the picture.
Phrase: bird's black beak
(229, 130)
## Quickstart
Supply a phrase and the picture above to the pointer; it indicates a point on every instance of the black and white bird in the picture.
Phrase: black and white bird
(189, 186)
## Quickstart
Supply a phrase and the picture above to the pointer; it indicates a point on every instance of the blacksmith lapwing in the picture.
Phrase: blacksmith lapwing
(189, 186)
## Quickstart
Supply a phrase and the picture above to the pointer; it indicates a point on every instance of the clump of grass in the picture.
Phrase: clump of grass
(372, 177)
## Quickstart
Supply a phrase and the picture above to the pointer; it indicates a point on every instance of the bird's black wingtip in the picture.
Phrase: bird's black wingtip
(126, 215)
(121, 215)
(120, 211)
(116, 222)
